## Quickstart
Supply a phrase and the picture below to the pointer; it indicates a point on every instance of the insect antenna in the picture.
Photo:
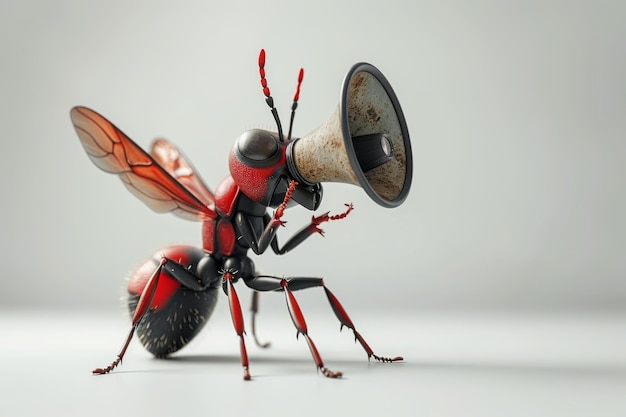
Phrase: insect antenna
(294, 106)
(268, 97)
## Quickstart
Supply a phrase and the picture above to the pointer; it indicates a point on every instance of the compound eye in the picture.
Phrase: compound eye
(257, 147)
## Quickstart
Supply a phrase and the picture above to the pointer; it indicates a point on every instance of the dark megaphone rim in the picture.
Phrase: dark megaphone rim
(347, 136)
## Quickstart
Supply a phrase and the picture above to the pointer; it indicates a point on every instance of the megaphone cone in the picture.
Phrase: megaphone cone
(365, 142)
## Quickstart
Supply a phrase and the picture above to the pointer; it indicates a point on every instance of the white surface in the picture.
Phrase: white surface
(471, 365)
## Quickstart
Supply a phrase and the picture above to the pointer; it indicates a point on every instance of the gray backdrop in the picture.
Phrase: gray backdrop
(515, 109)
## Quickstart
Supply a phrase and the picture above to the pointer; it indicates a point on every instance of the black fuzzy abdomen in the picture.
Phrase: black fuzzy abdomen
(171, 327)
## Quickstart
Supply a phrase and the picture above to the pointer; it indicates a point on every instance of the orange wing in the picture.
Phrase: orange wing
(112, 151)
(173, 161)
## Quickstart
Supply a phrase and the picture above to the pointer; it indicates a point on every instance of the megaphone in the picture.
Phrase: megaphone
(365, 142)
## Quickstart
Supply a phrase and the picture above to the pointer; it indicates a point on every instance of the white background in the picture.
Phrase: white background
(516, 114)
(515, 110)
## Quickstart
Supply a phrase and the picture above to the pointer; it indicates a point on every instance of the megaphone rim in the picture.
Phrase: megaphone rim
(347, 136)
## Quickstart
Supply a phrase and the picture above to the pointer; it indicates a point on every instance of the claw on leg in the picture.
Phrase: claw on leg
(318, 360)
(118, 359)
(102, 371)
(298, 320)
(317, 220)
(142, 306)
(345, 320)
(370, 353)
(344, 214)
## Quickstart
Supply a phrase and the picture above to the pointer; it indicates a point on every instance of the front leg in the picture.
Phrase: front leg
(260, 243)
(309, 230)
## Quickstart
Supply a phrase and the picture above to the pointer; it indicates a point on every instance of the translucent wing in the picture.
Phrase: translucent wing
(112, 151)
(173, 161)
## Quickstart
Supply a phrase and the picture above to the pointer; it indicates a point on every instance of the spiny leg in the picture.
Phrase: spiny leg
(344, 319)
(254, 309)
(237, 316)
(142, 307)
(300, 323)
(271, 283)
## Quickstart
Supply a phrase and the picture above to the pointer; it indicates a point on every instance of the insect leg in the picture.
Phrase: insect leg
(142, 306)
(344, 319)
(300, 323)
(237, 316)
(310, 229)
(254, 309)
(269, 283)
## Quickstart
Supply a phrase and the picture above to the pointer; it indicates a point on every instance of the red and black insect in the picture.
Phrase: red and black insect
(172, 295)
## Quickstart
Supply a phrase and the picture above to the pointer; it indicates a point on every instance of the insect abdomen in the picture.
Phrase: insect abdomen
(177, 313)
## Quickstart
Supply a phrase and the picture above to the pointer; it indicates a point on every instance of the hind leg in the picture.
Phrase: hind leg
(183, 300)
(169, 301)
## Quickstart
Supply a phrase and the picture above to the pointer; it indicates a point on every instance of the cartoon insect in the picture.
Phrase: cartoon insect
(172, 295)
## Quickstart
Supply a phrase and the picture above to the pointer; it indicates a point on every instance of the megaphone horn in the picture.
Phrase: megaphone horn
(365, 142)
